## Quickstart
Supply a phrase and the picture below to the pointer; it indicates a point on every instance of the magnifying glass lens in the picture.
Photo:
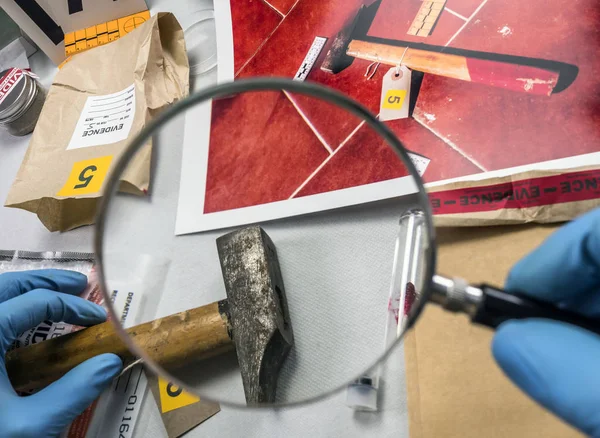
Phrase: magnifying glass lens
(271, 260)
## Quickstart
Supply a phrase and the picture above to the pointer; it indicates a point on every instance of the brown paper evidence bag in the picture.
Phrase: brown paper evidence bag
(98, 102)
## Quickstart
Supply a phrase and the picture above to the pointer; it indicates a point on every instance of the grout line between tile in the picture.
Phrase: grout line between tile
(266, 39)
(292, 8)
(310, 125)
(311, 176)
(452, 145)
(325, 161)
(274, 8)
(259, 47)
(466, 22)
(354, 131)
(456, 14)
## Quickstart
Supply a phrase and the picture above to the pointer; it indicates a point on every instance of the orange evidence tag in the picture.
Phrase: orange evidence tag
(90, 32)
(103, 33)
(69, 38)
(101, 28)
(79, 35)
(113, 26)
(131, 22)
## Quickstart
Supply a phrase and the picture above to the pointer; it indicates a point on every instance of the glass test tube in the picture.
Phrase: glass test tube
(407, 278)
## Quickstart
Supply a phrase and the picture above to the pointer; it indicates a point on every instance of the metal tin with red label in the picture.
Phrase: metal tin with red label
(21, 101)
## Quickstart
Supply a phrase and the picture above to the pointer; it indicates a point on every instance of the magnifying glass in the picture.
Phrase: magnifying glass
(300, 307)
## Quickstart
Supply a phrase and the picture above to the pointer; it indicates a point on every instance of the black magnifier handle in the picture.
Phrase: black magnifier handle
(490, 306)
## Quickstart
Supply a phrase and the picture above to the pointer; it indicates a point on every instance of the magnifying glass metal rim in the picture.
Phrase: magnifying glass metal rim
(233, 88)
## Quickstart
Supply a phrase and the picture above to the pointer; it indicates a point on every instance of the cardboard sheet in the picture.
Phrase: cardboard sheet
(455, 389)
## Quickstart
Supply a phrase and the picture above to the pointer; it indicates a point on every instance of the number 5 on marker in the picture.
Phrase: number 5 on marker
(86, 177)
(394, 99)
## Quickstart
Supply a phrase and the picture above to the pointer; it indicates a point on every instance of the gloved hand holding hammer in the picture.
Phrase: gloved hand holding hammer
(254, 319)
(27, 299)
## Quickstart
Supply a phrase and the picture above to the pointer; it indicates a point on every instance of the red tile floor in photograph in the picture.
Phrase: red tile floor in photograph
(462, 127)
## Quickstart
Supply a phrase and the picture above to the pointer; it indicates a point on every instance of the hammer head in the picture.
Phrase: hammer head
(336, 59)
(258, 309)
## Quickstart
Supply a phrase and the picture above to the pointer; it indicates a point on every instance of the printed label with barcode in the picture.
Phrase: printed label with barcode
(122, 403)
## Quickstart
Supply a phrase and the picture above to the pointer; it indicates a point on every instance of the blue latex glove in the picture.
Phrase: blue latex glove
(558, 364)
(27, 299)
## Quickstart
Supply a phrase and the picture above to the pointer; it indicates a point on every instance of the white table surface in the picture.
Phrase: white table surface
(330, 417)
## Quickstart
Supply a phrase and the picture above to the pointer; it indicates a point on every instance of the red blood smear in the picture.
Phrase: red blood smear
(409, 297)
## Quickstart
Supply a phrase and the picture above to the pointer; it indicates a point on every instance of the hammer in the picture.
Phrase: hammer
(518, 73)
(254, 319)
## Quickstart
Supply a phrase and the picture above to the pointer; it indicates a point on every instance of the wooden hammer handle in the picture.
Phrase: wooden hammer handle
(505, 75)
(171, 341)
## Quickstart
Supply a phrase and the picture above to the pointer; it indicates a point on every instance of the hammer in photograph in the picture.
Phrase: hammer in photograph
(254, 319)
(518, 73)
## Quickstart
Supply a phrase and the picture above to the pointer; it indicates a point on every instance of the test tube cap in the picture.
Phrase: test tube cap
(361, 395)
